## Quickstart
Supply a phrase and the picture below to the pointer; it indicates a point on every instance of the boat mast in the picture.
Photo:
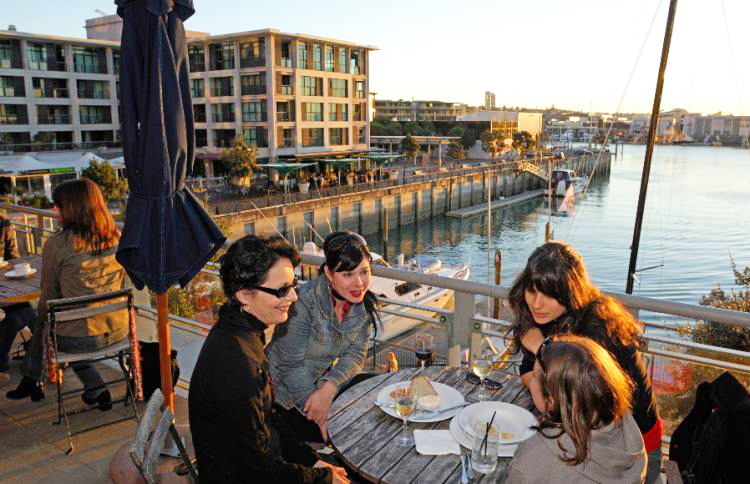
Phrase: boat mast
(650, 147)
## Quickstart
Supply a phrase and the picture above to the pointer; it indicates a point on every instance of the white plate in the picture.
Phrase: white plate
(12, 274)
(449, 397)
(509, 418)
(467, 441)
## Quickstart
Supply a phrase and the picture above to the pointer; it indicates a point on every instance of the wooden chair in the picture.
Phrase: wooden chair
(61, 311)
(148, 443)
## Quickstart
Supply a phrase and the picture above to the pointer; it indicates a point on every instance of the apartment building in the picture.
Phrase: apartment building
(57, 92)
(418, 110)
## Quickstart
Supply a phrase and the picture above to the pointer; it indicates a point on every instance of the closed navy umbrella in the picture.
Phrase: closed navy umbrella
(168, 236)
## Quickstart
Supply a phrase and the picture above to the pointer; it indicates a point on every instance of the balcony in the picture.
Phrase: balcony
(282, 116)
(287, 90)
(287, 143)
(252, 90)
(252, 62)
(287, 62)
(89, 119)
(54, 119)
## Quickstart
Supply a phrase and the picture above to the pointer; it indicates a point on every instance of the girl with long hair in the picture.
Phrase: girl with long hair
(323, 347)
(77, 261)
(554, 295)
(586, 432)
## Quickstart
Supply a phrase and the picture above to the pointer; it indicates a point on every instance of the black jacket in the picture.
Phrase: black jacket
(236, 434)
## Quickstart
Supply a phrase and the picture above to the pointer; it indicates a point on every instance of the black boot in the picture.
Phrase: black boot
(104, 400)
(27, 388)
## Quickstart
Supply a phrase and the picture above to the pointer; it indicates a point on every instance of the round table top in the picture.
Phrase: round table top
(362, 434)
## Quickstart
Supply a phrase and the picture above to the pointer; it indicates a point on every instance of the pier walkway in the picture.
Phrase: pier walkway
(465, 212)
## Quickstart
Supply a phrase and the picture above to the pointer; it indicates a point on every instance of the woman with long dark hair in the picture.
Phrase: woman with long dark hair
(586, 432)
(78, 261)
(323, 347)
(554, 295)
(237, 434)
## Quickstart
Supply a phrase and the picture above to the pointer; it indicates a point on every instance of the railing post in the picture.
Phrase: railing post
(460, 326)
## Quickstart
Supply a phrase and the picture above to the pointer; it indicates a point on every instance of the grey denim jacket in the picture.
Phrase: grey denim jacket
(302, 353)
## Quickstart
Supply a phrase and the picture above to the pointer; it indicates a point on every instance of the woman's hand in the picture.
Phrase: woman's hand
(532, 339)
(317, 405)
(338, 473)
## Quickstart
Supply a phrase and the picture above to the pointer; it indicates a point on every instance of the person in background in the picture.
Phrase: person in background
(323, 347)
(238, 437)
(77, 261)
(554, 295)
(586, 432)
(17, 316)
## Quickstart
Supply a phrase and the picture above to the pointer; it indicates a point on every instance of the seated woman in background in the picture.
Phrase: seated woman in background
(236, 433)
(78, 261)
(554, 295)
(323, 347)
(586, 432)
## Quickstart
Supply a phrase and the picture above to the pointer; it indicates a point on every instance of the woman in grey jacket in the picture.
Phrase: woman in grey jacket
(586, 432)
(324, 344)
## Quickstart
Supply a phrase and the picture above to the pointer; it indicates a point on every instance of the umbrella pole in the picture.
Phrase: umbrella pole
(165, 360)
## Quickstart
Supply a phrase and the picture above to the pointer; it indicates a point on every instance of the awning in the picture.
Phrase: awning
(285, 169)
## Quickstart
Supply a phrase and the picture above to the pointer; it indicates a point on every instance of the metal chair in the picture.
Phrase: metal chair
(148, 443)
(61, 311)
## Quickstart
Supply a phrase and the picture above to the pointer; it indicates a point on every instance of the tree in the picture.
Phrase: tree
(240, 158)
(492, 142)
(522, 140)
(409, 147)
(113, 188)
(456, 150)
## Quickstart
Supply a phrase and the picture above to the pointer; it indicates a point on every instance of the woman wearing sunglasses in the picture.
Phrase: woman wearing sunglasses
(236, 433)
(586, 432)
(554, 295)
(323, 347)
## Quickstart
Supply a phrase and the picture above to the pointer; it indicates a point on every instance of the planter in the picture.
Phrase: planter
(303, 187)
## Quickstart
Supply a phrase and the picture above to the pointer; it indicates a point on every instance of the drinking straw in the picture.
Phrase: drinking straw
(486, 434)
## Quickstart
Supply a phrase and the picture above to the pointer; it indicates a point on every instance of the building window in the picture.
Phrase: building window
(223, 113)
(257, 136)
(286, 85)
(197, 88)
(335, 218)
(116, 61)
(337, 87)
(359, 89)
(338, 112)
(196, 58)
(224, 137)
(199, 113)
(201, 136)
(11, 86)
(302, 55)
(54, 88)
(329, 58)
(90, 60)
(6, 55)
(37, 56)
(287, 138)
(54, 138)
(250, 228)
(360, 135)
(312, 137)
(222, 86)
(285, 111)
(357, 114)
(286, 54)
(253, 53)
(13, 114)
(95, 114)
(88, 89)
(317, 57)
(312, 111)
(312, 86)
(49, 114)
(338, 136)
(253, 84)
(95, 138)
(343, 56)
(254, 112)
(222, 56)
(354, 62)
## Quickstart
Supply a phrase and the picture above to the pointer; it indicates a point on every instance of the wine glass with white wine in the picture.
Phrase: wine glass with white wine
(481, 366)
(405, 406)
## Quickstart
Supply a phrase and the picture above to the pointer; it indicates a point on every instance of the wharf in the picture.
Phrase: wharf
(465, 212)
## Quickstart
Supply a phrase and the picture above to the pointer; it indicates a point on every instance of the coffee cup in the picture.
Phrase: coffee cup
(22, 269)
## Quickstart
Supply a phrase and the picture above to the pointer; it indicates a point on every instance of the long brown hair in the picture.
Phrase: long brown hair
(83, 213)
(556, 270)
(586, 390)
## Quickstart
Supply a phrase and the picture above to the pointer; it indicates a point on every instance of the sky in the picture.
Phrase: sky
(573, 54)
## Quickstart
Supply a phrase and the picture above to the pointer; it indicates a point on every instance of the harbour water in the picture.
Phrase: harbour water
(697, 213)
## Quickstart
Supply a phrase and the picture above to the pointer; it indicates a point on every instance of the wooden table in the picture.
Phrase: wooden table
(362, 434)
(21, 290)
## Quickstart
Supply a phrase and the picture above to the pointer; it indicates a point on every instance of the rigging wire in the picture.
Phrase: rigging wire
(731, 55)
(571, 223)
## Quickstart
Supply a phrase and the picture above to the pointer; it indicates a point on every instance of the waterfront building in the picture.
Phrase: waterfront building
(505, 122)
(717, 128)
(489, 100)
(418, 110)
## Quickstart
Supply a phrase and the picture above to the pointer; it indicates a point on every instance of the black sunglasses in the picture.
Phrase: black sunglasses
(488, 384)
(540, 352)
(280, 292)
